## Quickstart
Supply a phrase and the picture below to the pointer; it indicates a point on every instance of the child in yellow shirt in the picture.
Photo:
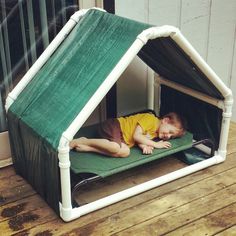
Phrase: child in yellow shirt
(120, 134)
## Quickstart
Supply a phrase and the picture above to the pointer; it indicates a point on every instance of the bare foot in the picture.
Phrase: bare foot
(83, 148)
(75, 142)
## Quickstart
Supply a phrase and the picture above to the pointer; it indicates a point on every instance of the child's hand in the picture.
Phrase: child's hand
(162, 144)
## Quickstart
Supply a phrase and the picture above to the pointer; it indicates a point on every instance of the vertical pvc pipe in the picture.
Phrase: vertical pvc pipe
(31, 30)
(44, 22)
(225, 129)
(64, 164)
(7, 48)
(22, 23)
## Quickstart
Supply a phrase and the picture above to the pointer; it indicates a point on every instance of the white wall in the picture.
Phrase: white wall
(209, 25)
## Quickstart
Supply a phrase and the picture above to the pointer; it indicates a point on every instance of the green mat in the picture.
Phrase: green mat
(105, 166)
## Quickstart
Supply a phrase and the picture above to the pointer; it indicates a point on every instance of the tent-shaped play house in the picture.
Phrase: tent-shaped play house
(53, 100)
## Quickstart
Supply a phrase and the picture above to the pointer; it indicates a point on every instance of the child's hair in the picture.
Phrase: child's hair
(178, 121)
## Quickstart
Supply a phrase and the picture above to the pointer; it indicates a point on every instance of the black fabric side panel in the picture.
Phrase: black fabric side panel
(35, 161)
(166, 58)
(109, 6)
(204, 120)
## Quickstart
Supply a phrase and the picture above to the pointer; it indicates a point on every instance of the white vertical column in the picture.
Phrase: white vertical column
(6, 44)
(54, 18)
(63, 10)
(44, 22)
(22, 23)
(3, 60)
(31, 30)
(5, 82)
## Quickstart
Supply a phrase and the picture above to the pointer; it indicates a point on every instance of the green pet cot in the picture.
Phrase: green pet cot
(63, 87)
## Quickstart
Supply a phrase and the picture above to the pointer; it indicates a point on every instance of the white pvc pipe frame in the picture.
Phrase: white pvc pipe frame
(66, 211)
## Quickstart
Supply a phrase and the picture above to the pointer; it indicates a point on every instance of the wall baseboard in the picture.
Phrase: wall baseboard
(5, 151)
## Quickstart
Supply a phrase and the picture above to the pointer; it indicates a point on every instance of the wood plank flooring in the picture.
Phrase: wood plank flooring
(203, 203)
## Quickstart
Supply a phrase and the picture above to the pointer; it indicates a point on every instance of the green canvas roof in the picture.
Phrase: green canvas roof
(63, 86)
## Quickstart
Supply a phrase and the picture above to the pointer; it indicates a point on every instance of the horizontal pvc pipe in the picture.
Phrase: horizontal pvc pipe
(203, 148)
(103, 202)
(200, 96)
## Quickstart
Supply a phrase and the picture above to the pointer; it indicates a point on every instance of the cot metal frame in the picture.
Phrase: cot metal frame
(67, 212)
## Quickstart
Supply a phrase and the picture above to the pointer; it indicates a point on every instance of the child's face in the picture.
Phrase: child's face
(167, 131)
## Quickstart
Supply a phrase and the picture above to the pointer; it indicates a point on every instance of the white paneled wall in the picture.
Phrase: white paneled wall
(132, 82)
(221, 37)
(233, 78)
(209, 25)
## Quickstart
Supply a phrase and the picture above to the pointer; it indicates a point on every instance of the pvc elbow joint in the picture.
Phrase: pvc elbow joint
(157, 32)
(10, 99)
(77, 15)
(221, 156)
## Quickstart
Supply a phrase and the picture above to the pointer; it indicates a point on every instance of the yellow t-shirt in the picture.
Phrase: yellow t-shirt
(148, 122)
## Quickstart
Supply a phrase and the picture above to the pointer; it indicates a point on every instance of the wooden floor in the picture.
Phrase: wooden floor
(203, 203)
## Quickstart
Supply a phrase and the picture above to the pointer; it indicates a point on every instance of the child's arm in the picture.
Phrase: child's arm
(139, 138)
